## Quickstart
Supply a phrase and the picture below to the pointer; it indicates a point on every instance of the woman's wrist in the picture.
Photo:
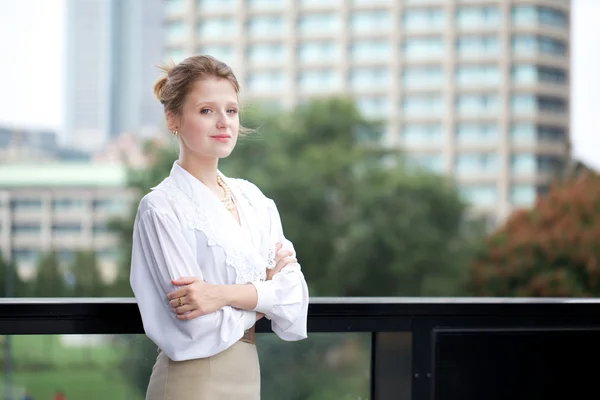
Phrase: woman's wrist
(243, 297)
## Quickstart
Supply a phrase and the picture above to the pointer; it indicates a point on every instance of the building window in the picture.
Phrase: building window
(478, 17)
(476, 163)
(369, 21)
(266, 4)
(479, 75)
(320, 3)
(58, 229)
(110, 205)
(549, 164)
(422, 105)
(531, 45)
(476, 104)
(420, 48)
(523, 164)
(320, 80)
(523, 104)
(26, 228)
(326, 23)
(480, 195)
(217, 27)
(67, 204)
(368, 78)
(522, 133)
(551, 134)
(528, 133)
(25, 204)
(174, 6)
(527, 15)
(266, 82)
(523, 195)
(215, 5)
(530, 74)
(477, 46)
(421, 134)
(266, 53)
(318, 51)
(373, 107)
(266, 26)
(425, 76)
(476, 133)
(369, 2)
(177, 31)
(367, 50)
(425, 19)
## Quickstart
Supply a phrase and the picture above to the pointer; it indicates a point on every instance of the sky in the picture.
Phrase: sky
(33, 58)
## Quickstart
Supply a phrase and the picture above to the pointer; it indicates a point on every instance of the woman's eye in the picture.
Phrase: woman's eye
(232, 111)
(204, 111)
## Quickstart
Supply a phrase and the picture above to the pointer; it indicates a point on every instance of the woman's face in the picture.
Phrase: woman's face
(209, 121)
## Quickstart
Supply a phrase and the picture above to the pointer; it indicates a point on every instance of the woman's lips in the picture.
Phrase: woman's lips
(221, 138)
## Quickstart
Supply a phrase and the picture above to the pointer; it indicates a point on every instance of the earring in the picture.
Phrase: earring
(175, 133)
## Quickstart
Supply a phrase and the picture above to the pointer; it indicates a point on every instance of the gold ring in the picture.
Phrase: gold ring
(179, 302)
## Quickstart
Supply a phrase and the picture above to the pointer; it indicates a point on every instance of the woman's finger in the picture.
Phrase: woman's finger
(178, 302)
(184, 309)
(283, 262)
(187, 280)
(281, 254)
(178, 293)
(188, 316)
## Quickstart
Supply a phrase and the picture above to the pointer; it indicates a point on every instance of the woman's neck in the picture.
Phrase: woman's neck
(205, 170)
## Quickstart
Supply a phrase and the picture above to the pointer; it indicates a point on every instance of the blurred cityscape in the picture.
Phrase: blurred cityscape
(478, 90)
(474, 94)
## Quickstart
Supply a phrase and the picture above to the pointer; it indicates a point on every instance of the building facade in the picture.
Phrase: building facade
(476, 89)
(62, 207)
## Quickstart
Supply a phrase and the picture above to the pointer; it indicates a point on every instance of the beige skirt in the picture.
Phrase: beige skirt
(232, 374)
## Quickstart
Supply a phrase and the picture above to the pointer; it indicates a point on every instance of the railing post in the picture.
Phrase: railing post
(422, 359)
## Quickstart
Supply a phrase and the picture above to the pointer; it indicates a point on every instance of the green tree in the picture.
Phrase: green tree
(88, 282)
(550, 250)
(49, 280)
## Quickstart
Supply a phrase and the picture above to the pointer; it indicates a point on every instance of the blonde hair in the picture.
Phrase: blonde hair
(172, 88)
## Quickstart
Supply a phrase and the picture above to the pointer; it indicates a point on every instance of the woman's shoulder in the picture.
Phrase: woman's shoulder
(159, 200)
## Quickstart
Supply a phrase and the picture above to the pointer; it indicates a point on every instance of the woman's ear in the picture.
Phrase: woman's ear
(172, 121)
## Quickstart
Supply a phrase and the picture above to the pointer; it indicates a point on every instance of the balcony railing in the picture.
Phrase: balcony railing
(421, 348)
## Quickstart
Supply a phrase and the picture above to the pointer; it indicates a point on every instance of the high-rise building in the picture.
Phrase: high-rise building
(112, 49)
(138, 42)
(478, 89)
(88, 73)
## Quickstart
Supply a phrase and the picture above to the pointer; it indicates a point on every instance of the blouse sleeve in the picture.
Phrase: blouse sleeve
(284, 299)
(160, 253)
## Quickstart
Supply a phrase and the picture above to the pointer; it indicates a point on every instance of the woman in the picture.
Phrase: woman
(209, 257)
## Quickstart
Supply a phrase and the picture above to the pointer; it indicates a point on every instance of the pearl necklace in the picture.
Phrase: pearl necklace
(227, 200)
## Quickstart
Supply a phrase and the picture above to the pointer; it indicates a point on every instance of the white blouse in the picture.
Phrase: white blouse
(182, 229)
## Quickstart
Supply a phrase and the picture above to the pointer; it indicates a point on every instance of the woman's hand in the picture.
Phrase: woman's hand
(194, 298)
(282, 258)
